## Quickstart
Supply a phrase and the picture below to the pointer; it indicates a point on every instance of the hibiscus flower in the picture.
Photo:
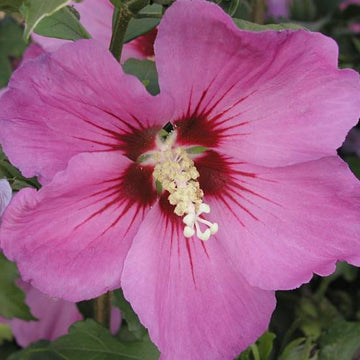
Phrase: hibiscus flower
(198, 202)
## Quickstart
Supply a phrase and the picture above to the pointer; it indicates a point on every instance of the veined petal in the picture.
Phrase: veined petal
(283, 224)
(272, 98)
(71, 101)
(70, 238)
(188, 293)
(5, 195)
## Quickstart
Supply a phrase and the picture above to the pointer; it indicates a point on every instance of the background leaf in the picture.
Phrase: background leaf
(140, 26)
(133, 323)
(11, 45)
(10, 5)
(145, 71)
(341, 341)
(299, 349)
(88, 340)
(35, 10)
(14, 176)
(63, 24)
(12, 298)
(247, 25)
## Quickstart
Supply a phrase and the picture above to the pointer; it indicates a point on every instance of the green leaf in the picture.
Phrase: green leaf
(261, 350)
(5, 70)
(316, 314)
(127, 313)
(11, 41)
(12, 298)
(11, 45)
(246, 355)
(247, 25)
(5, 333)
(140, 26)
(10, 5)
(354, 164)
(14, 176)
(265, 345)
(37, 351)
(299, 349)
(303, 10)
(62, 25)
(145, 71)
(340, 342)
(88, 340)
(7, 349)
(36, 10)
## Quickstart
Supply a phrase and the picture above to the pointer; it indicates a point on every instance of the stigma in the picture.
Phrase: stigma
(175, 172)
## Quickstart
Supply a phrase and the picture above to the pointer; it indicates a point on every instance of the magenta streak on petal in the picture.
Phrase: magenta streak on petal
(133, 142)
(200, 128)
(216, 180)
(188, 249)
(175, 223)
(134, 186)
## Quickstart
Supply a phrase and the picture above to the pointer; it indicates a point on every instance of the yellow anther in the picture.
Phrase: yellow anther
(177, 174)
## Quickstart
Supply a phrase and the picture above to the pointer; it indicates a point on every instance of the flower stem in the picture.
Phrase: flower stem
(102, 309)
(122, 16)
(121, 22)
(258, 14)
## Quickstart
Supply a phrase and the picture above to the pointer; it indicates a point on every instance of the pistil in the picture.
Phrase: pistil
(177, 174)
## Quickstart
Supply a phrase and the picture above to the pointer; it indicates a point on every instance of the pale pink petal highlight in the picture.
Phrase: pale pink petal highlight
(189, 294)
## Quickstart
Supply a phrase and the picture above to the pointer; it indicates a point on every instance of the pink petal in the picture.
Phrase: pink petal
(281, 225)
(70, 238)
(71, 101)
(32, 52)
(54, 318)
(5, 195)
(188, 293)
(272, 98)
(140, 48)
